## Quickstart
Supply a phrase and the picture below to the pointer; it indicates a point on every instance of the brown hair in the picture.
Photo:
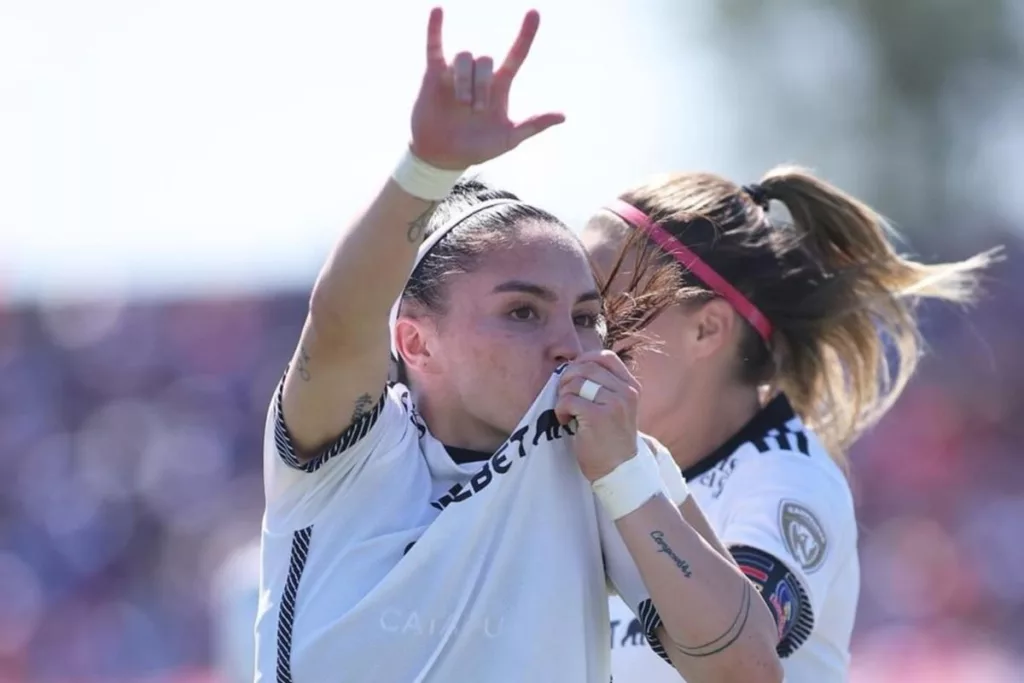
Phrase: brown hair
(841, 300)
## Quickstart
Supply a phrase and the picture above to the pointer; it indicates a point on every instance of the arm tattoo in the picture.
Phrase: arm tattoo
(663, 547)
(302, 367)
(726, 639)
(364, 404)
(419, 224)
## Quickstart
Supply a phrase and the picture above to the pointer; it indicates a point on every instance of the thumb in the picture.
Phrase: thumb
(526, 129)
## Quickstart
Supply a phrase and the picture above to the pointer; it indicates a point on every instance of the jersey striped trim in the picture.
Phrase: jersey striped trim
(786, 439)
(348, 438)
(776, 423)
(286, 615)
(651, 622)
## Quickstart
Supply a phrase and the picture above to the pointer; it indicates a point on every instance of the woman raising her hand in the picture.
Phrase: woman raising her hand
(462, 525)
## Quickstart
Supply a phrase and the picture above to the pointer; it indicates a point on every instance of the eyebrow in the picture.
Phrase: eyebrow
(541, 292)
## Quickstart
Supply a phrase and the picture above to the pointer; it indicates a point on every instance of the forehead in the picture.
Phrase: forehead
(546, 255)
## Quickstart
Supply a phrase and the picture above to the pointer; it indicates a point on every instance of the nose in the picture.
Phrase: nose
(565, 345)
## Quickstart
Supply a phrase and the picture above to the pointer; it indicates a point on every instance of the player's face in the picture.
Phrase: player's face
(664, 367)
(524, 310)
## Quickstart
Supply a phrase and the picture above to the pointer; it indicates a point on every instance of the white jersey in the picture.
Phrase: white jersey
(784, 509)
(384, 560)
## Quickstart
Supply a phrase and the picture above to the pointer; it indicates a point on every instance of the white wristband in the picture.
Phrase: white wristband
(422, 180)
(675, 483)
(629, 485)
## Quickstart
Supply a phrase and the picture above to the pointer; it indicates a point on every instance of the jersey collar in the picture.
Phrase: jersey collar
(773, 416)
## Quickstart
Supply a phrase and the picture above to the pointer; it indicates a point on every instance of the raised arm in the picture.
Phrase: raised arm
(460, 118)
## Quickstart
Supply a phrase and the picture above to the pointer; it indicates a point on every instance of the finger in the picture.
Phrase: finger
(610, 384)
(462, 73)
(585, 412)
(483, 72)
(532, 126)
(604, 396)
(611, 362)
(521, 47)
(435, 45)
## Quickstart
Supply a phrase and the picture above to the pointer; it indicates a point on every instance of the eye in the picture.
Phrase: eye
(522, 313)
(587, 319)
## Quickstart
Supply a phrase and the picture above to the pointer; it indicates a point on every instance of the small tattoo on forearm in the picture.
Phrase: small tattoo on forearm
(663, 547)
(302, 367)
(364, 404)
(419, 224)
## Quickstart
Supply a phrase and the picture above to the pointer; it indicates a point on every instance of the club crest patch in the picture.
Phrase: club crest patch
(783, 602)
(803, 535)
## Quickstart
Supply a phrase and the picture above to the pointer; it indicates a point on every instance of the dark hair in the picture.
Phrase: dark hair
(830, 282)
(459, 251)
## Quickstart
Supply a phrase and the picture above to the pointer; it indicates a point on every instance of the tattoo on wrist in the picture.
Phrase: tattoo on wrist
(731, 634)
(302, 366)
(663, 547)
(364, 404)
(419, 224)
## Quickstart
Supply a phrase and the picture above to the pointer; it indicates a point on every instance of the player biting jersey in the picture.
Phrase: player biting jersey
(414, 531)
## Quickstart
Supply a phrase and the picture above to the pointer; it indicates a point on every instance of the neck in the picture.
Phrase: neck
(711, 420)
(455, 428)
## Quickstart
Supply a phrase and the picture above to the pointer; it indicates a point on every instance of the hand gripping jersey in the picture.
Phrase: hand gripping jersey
(385, 561)
(785, 511)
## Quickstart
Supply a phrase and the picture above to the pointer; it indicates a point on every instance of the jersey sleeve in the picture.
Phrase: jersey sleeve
(790, 527)
(296, 490)
(623, 576)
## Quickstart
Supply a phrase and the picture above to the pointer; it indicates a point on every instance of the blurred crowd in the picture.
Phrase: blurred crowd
(130, 446)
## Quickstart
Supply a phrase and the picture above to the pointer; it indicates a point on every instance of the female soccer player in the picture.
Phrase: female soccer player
(775, 349)
(460, 526)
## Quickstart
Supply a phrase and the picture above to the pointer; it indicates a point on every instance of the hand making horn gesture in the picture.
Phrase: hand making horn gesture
(461, 114)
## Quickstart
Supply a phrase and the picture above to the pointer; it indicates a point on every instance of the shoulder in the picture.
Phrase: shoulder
(788, 474)
(806, 501)
(297, 490)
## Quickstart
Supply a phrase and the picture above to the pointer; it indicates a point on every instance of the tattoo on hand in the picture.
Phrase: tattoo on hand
(419, 225)
(302, 367)
(364, 404)
(663, 547)
(731, 634)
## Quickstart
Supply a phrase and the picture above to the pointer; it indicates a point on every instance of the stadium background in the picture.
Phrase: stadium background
(171, 175)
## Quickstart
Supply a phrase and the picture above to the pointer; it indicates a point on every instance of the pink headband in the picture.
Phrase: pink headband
(691, 262)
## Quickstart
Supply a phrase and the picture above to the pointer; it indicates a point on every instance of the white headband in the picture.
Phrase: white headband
(429, 244)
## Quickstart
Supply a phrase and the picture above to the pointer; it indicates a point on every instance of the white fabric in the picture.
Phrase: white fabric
(629, 485)
(505, 584)
(422, 180)
(675, 483)
(742, 498)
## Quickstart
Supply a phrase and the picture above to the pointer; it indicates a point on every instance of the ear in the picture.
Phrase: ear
(412, 338)
(714, 325)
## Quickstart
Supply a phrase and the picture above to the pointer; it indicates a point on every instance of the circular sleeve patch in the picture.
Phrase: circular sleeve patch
(782, 592)
(803, 535)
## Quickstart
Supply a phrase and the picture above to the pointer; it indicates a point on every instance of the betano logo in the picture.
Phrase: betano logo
(522, 441)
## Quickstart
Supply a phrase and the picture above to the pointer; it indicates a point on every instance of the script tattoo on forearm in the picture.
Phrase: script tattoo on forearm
(302, 366)
(663, 547)
(726, 639)
(419, 224)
